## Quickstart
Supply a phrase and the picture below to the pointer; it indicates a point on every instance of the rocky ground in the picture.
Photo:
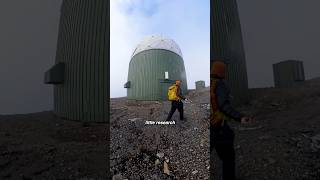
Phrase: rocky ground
(144, 151)
(41, 146)
(283, 143)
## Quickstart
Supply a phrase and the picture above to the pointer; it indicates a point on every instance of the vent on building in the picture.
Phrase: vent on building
(55, 75)
(127, 84)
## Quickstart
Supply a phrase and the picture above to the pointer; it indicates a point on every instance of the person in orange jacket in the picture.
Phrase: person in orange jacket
(221, 135)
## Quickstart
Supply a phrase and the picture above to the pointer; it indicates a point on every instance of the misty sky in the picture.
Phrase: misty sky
(276, 30)
(273, 30)
(184, 21)
(28, 37)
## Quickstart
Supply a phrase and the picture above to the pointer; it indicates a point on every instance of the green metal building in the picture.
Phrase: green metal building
(226, 42)
(200, 85)
(82, 61)
(288, 73)
(155, 65)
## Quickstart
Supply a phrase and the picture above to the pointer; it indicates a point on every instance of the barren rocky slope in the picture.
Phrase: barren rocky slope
(140, 151)
(283, 143)
(41, 146)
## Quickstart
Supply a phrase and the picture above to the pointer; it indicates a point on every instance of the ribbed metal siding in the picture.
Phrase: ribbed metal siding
(200, 85)
(226, 42)
(83, 45)
(288, 73)
(147, 71)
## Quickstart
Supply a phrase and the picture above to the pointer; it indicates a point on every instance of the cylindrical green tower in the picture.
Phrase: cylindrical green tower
(226, 43)
(82, 61)
(155, 64)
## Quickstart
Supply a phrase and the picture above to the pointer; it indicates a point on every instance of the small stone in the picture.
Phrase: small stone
(134, 119)
(160, 155)
(202, 141)
(264, 137)
(93, 136)
(166, 168)
(315, 142)
(166, 159)
(117, 177)
(194, 172)
(146, 158)
(157, 162)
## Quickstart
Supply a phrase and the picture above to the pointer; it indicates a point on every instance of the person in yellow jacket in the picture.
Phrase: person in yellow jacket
(177, 103)
(221, 135)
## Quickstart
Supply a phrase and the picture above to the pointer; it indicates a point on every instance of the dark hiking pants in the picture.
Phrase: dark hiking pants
(222, 139)
(176, 105)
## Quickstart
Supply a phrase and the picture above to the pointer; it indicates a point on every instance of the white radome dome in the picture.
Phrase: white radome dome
(157, 42)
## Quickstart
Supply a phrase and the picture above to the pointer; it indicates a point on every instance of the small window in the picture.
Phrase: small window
(166, 75)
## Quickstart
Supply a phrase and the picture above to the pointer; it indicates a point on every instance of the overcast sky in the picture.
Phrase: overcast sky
(273, 30)
(276, 30)
(184, 21)
(28, 36)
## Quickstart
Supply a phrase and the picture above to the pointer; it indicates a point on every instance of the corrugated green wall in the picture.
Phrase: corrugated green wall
(147, 73)
(226, 42)
(200, 84)
(83, 45)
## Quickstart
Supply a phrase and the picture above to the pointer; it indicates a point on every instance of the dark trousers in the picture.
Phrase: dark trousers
(176, 105)
(222, 139)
